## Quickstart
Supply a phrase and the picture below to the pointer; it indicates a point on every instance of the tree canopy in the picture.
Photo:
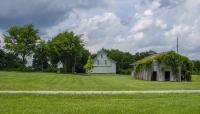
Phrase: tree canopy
(40, 57)
(66, 46)
(125, 59)
(9, 61)
(21, 40)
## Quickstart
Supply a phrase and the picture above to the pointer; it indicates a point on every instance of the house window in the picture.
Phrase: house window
(105, 62)
(101, 56)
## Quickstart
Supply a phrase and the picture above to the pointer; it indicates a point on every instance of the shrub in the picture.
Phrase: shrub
(51, 69)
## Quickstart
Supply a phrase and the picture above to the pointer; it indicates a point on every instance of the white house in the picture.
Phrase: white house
(103, 64)
(1, 41)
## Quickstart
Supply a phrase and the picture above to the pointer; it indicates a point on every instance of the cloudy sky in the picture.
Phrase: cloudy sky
(128, 25)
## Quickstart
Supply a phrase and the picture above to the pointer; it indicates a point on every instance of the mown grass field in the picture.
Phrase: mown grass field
(100, 104)
(176, 103)
(52, 81)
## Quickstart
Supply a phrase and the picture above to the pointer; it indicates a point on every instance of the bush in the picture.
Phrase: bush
(51, 69)
(21, 69)
(125, 71)
(26, 69)
(196, 72)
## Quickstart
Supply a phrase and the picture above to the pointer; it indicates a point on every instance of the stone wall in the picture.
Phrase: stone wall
(158, 71)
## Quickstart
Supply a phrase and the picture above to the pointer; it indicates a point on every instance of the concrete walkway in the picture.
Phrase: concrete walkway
(94, 92)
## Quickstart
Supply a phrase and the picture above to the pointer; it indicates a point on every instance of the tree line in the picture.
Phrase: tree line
(66, 48)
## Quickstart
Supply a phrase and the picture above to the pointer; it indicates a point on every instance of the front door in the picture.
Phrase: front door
(154, 76)
(167, 76)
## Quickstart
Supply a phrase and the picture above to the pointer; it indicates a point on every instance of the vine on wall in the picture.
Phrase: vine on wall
(171, 59)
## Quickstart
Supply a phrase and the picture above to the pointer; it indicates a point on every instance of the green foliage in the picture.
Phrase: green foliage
(125, 59)
(51, 68)
(65, 47)
(9, 61)
(81, 60)
(40, 57)
(89, 64)
(126, 71)
(21, 40)
(170, 58)
(141, 55)
(196, 68)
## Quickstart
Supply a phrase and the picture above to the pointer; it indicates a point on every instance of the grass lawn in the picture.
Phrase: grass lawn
(100, 104)
(52, 81)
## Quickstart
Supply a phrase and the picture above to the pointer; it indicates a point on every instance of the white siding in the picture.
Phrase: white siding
(1, 42)
(102, 64)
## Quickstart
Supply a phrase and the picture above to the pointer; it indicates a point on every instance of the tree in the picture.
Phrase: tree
(21, 40)
(9, 60)
(2, 59)
(123, 59)
(89, 64)
(141, 55)
(82, 60)
(65, 47)
(196, 67)
(40, 57)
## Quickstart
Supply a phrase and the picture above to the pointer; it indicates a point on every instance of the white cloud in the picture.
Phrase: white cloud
(139, 35)
(101, 31)
(179, 29)
(160, 23)
(148, 13)
(155, 4)
(129, 25)
(142, 24)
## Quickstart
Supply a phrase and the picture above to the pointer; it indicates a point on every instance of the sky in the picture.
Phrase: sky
(128, 25)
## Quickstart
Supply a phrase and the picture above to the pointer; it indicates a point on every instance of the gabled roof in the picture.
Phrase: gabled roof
(158, 56)
(94, 55)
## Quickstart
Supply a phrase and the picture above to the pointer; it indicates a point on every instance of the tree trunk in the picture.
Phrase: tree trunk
(65, 65)
(24, 59)
(42, 65)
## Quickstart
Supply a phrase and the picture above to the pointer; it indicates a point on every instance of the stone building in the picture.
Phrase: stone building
(162, 67)
(103, 64)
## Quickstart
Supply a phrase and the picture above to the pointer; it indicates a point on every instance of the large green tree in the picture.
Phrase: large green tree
(40, 57)
(21, 40)
(66, 47)
(123, 59)
(81, 60)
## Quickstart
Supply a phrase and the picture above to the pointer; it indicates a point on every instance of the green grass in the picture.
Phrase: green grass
(51, 81)
(100, 104)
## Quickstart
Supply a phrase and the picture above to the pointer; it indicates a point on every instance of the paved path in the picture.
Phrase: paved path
(95, 92)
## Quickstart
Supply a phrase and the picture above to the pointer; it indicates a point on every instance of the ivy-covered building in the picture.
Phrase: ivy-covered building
(167, 66)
